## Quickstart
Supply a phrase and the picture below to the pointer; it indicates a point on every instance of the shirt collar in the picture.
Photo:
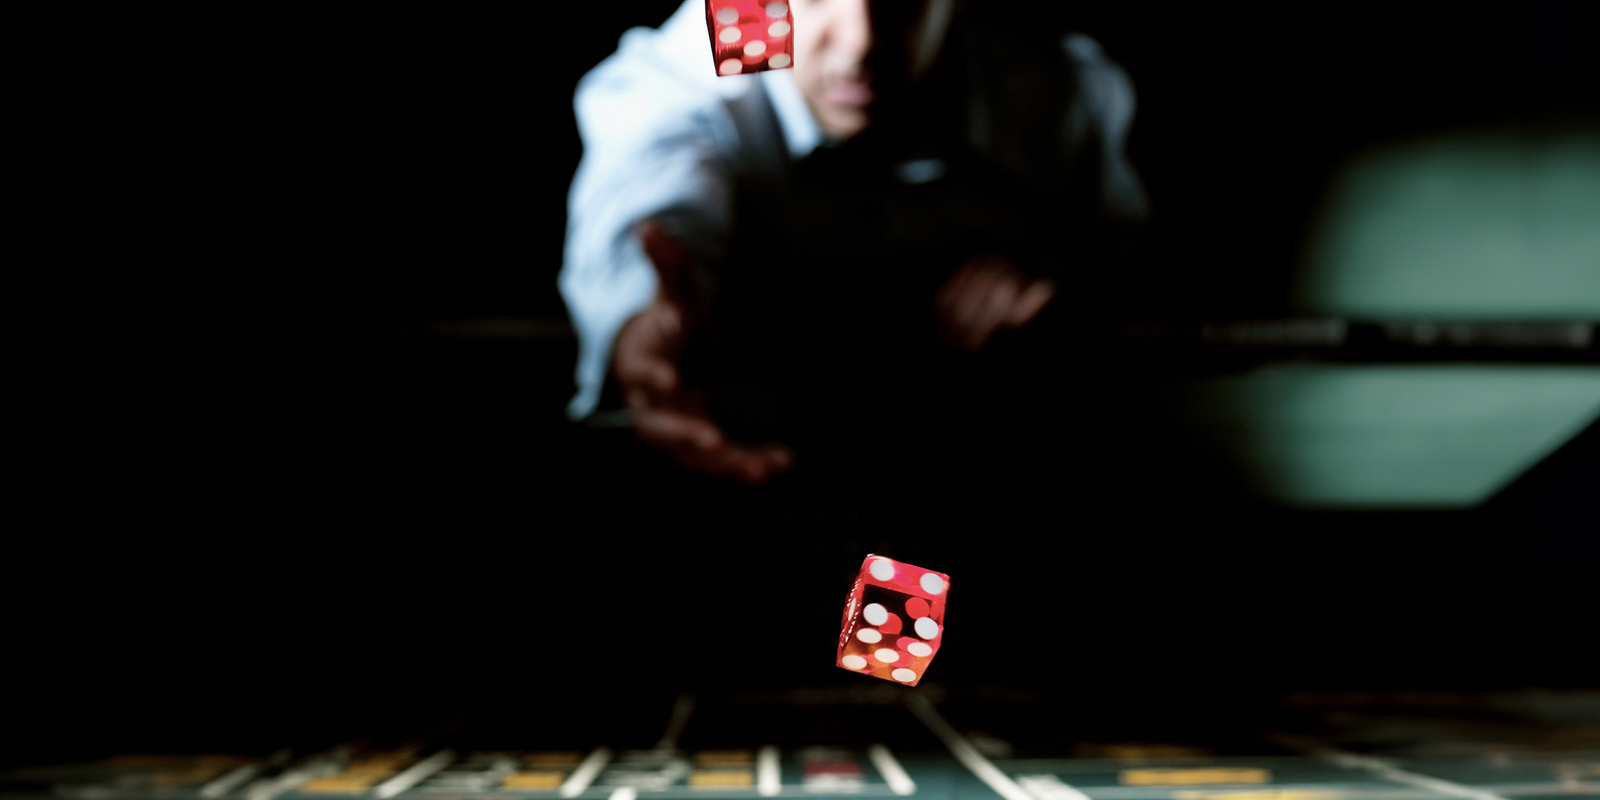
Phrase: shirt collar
(800, 130)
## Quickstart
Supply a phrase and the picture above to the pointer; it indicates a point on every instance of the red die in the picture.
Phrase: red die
(894, 621)
(749, 35)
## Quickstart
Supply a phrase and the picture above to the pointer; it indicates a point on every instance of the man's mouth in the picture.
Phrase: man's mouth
(848, 92)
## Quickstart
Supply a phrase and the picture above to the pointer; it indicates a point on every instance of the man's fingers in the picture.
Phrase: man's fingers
(661, 376)
(675, 431)
(728, 462)
(752, 466)
(652, 384)
(983, 307)
(777, 457)
(968, 300)
(997, 303)
(978, 299)
(647, 372)
(668, 321)
(987, 294)
(665, 336)
(697, 444)
(951, 294)
(1030, 302)
(732, 461)
(644, 358)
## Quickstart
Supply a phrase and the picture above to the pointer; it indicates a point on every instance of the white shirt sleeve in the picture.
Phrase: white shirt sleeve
(655, 140)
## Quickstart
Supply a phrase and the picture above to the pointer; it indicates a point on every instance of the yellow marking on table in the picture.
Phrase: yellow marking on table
(1258, 794)
(172, 771)
(338, 784)
(554, 758)
(192, 777)
(388, 761)
(533, 780)
(726, 778)
(1193, 777)
(718, 758)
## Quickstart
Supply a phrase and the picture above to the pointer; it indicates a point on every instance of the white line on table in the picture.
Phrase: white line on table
(965, 752)
(325, 763)
(768, 781)
(893, 774)
(1527, 789)
(227, 783)
(1048, 787)
(681, 709)
(624, 793)
(586, 772)
(414, 774)
(1384, 769)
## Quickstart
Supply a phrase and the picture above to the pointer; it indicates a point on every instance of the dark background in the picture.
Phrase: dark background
(304, 491)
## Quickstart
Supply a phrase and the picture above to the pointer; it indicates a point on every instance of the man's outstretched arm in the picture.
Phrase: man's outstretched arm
(667, 412)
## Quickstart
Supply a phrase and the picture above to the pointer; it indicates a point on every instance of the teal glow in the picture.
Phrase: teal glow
(1430, 436)
(1467, 227)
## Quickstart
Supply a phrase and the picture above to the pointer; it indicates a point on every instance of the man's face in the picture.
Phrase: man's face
(849, 53)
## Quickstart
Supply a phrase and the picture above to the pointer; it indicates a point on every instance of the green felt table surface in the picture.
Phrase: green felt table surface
(1429, 436)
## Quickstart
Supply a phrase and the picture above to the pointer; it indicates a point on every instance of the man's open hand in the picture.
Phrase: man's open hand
(666, 412)
(986, 294)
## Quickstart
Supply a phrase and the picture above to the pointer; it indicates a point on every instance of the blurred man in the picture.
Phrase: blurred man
(917, 165)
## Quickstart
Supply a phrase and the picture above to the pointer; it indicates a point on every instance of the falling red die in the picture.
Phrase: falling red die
(749, 35)
(888, 598)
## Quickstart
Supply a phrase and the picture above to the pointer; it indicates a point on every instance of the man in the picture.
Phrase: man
(708, 208)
